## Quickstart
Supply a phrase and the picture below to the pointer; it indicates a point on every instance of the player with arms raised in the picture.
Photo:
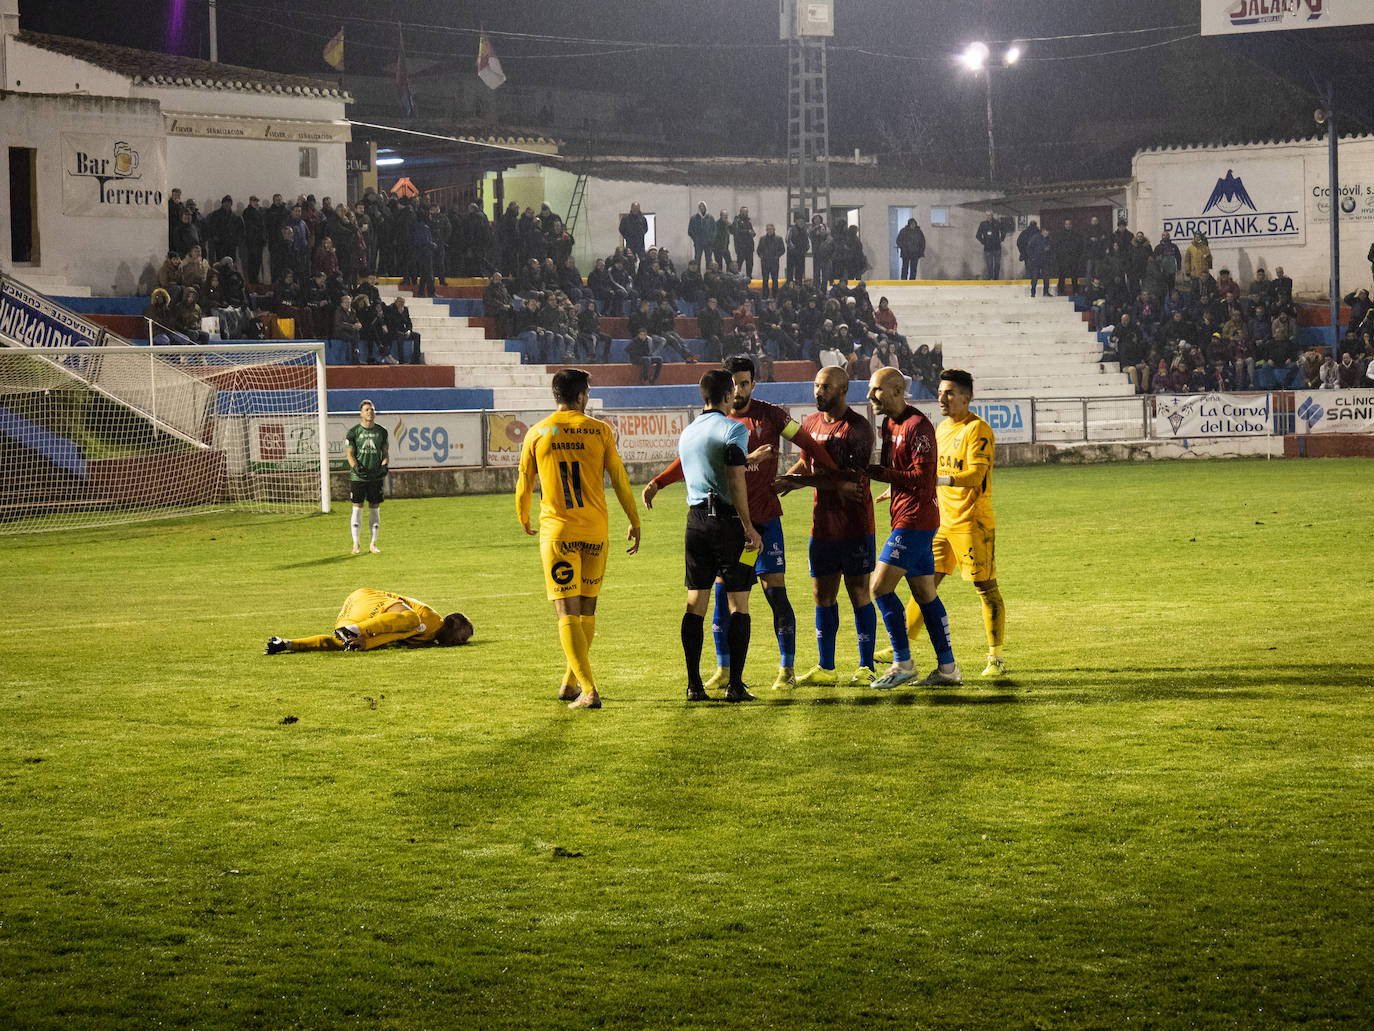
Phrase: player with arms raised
(768, 424)
(569, 453)
(908, 463)
(841, 526)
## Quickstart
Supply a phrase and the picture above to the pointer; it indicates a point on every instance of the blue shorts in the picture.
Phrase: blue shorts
(772, 559)
(910, 550)
(852, 556)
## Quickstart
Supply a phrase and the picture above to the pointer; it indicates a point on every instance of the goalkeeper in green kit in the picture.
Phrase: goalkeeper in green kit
(368, 457)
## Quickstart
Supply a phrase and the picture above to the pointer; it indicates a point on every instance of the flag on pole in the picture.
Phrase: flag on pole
(488, 65)
(403, 93)
(333, 52)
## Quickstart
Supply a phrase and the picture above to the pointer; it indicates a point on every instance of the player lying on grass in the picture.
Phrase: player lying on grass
(373, 619)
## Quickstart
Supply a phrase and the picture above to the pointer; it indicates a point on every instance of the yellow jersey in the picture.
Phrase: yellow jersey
(965, 448)
(368, 603)
(569, 452)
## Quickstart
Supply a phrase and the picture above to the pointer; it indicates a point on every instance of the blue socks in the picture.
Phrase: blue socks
(894, 618)
(720, 626)
(784, 624)
(937, 626)
(866, 624)
(827, 627)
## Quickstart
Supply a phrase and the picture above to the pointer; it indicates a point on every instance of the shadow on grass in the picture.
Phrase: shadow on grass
(311, 563)
(900, 698)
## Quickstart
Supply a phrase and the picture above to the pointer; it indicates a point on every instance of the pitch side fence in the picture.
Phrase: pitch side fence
(492, 439)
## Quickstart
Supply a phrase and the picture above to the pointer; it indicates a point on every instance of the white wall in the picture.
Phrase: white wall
(951, 251)
(206, 170)
(1161, 177)
(107, 253)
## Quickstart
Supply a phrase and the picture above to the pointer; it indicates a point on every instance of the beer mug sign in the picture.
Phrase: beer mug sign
(126, 159)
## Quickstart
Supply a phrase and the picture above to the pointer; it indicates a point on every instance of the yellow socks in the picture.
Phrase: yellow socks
(574, 643)
(994, 618)
(914, 620)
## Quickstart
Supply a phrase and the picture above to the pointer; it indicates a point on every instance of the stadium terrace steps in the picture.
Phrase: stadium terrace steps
(1014, 345)
(49, 285)
(478, 363)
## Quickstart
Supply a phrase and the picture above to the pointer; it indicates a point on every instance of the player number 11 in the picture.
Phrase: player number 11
(571, 475)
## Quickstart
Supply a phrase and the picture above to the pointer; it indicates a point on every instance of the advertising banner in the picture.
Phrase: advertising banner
(1225, 17)
(418, 440)
(111, 176)
(32, 320)
(214, 127)
(1010, 419)
(647, 436)
(1334, 411)
(1233, 200)
(506, 433)
(1355, 200)
(1178, 416)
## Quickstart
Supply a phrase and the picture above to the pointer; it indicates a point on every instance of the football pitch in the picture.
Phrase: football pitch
(1164, 819)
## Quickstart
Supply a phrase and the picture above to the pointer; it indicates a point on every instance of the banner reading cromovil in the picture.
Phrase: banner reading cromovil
(1233, 200)
(1334, 411)
(1178, 416)
(1224, 17)
(113, 176)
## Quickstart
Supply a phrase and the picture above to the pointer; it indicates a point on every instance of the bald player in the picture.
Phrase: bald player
(842, 546)
(908, 463)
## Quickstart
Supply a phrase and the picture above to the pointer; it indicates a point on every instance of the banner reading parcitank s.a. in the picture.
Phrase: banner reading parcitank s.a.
(114, 176)
(1225, 17)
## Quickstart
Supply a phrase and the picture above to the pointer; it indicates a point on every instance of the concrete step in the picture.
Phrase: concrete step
(49, 285)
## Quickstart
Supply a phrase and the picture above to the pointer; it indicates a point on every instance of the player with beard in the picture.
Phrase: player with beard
(841, 527)
(768, 426)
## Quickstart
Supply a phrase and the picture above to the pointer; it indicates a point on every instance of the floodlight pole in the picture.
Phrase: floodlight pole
(1333, 172)
(214, 32)
(992, 150)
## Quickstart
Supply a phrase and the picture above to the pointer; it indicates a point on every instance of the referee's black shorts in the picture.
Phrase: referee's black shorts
(714, 543)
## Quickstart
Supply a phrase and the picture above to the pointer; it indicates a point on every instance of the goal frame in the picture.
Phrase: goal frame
(192, 350)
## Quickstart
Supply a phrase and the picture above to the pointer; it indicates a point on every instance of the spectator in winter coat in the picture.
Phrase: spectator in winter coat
(634, 227)
(911, 245)
(771, 248)
(742, 229)
(701, 230)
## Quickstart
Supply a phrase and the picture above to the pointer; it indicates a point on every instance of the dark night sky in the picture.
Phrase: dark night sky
(893, 81)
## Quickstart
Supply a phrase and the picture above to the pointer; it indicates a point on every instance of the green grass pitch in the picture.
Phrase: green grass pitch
(1165, 821)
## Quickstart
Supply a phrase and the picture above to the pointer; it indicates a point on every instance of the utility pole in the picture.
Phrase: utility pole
(805, 25)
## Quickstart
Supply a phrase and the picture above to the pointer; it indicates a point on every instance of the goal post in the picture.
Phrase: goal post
(95, 436)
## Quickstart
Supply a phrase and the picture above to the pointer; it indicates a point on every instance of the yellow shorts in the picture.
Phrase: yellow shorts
(572, 567)
(971, 548)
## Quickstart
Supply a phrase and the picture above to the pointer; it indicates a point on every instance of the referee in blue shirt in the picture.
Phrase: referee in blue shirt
(721, 540)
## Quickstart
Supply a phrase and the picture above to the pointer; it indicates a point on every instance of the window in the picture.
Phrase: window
(840, 215)
(939, 216)
(310, 163)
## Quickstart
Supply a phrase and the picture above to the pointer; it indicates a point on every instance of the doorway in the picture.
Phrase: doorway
(24, 206)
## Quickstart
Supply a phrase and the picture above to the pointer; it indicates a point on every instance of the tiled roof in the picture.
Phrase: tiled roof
(150, 68)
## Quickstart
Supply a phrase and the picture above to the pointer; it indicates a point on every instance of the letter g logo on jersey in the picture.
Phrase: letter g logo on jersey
(562, 573)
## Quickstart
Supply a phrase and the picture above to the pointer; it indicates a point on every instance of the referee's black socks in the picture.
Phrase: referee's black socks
(739, 646)
(691, 646)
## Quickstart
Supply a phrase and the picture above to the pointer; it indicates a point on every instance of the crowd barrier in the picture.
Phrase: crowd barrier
(492, 439)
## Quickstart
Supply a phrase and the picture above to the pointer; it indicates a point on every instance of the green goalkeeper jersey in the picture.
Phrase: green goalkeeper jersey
(369, 444)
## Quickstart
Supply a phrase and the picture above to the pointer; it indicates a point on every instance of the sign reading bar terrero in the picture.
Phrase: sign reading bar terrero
(213, 127)
(123, 177)
(1224, 17)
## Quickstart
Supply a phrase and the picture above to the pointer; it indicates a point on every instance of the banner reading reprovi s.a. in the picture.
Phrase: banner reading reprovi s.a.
(114, 176)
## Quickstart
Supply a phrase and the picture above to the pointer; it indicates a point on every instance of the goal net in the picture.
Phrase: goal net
(94, 436)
